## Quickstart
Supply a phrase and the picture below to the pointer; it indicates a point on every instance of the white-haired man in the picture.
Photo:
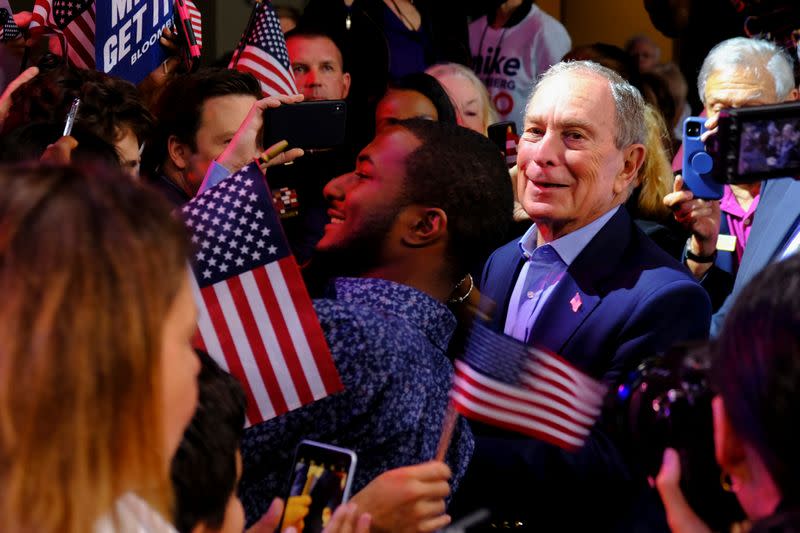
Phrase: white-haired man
(585, 283)
(741, 72)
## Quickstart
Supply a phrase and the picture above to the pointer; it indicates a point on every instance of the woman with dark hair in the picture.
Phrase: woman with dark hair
(417, 95)
(756, 372)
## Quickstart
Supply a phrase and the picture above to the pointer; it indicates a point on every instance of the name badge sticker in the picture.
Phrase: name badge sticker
(726, 243)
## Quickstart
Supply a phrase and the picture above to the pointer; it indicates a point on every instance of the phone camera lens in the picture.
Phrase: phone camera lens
(693, 129)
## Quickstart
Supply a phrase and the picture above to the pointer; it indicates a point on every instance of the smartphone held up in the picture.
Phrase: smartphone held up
(751, 144)
(320, 482)
(312, 125)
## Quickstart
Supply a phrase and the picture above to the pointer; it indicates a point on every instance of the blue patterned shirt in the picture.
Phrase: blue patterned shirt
(389, 342)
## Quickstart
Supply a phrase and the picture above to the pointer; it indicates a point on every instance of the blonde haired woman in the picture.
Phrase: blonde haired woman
(469, 95)
(655, 177)
(97, 374)
(654, 182)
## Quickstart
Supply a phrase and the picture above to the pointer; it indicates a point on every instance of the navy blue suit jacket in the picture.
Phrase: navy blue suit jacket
(776, 216)
(636, 302)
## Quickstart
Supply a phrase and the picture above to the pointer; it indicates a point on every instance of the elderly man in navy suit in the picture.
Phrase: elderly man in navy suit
(583, 282)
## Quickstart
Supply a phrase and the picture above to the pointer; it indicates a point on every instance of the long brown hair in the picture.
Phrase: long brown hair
(89, 265)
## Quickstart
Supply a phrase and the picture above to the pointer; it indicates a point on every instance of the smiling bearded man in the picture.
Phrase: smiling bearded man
(585, 283)
(425, 205)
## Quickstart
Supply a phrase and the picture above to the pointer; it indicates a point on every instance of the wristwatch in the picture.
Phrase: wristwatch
(700, 258)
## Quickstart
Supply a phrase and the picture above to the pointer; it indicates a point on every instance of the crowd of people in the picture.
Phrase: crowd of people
(575, 235)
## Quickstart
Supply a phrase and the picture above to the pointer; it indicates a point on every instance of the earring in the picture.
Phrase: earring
(726, 482)
(460, 299)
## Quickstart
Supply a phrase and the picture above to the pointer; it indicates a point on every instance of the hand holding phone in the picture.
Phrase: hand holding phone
(310, 125)
(697, 164)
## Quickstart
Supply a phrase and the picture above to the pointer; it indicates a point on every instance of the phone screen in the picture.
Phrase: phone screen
(320, 482)
(769, 145)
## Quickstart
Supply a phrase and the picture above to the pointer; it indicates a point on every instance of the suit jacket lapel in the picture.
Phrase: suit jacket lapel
(775, 216)
(564, 312)
(509, 264)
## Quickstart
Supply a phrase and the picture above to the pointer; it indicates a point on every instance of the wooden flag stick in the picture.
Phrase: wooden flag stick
(450, 419)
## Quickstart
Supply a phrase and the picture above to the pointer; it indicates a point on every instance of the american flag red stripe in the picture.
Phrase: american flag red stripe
(511, 147)
(284, 339)
(75, 20)
(273, 78)
(262, 53)
(520, 388)
(197, 22)
(240, 299)
(214, 332)
(304, 326)
(256, 318)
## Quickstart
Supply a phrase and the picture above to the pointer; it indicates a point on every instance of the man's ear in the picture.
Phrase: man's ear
(179, 152)
(423, 225)
(346, 80)
(794, 95)
(633, 159)
(728, 446)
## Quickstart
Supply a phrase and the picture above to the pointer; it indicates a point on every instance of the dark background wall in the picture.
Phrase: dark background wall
(587, 21)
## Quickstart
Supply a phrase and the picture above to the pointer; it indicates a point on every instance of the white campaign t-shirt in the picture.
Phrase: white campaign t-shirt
(509, 60)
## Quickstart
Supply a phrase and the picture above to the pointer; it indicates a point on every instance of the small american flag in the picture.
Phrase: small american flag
(511, 147)
(197, 22)
(256, 318)
(503, 382)
(75, 20)
(8, 28)
(263, 54)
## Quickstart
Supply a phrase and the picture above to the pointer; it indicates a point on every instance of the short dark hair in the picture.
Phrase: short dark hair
(310, 32)
(429, 87)
(109, 104)
(180, 106)
(463, 173)
(313, 32)
(204, 467)
(756, 369)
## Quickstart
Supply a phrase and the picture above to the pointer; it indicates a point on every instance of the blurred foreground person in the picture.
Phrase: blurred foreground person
(756, 373)
(208, 465)
(97, 375)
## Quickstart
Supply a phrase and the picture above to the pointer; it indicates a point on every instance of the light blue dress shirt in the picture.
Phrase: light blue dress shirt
(215, 174)
(544, 267)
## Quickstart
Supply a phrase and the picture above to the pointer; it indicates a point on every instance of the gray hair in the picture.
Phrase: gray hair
(756, 56)
(628, 101)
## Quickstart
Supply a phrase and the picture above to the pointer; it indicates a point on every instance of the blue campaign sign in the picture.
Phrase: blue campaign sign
(127, 34)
